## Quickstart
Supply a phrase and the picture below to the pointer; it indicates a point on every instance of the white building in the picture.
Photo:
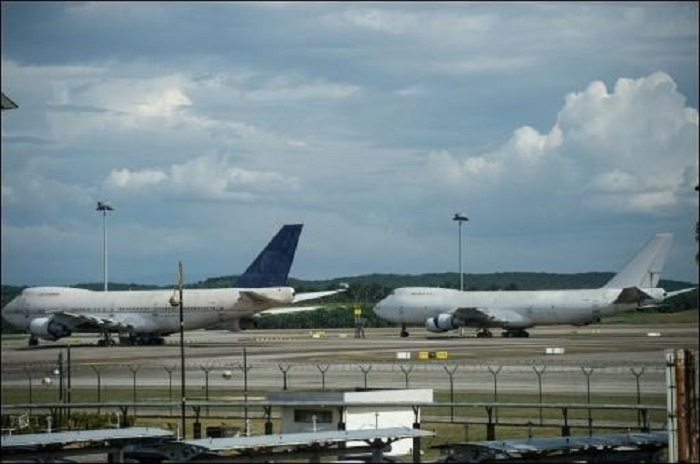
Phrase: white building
(353, 410)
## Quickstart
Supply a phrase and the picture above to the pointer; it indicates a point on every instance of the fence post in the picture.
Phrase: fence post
(637, 375)
(588, 373)
(451, 373)
(406, 372)
(365, 372)
(323, 370)
(284, 374)
(495, 372)
(539, 383)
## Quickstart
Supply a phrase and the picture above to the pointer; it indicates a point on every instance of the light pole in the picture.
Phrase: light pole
(180, 281)
(104, 207)
(460, 218)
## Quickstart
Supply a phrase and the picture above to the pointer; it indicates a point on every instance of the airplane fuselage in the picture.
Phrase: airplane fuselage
(414, 305)
(149, 311)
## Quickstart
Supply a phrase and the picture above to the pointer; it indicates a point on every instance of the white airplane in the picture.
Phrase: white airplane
(514, 311)
(145, 317)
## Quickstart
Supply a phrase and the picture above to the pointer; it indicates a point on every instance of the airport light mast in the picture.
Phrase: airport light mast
(460, 218)
(104, 207)
(180, 282)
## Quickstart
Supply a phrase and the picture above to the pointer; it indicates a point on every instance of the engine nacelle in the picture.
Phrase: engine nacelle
(48, 328)
(441, 323)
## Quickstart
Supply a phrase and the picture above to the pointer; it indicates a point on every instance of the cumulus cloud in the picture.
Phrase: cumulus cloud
(632, 149)
(204, 177)
(123, 178)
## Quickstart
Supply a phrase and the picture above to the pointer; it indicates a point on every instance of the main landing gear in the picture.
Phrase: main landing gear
(33, 341)
(484, 333)
(404, 332)
(141, 339)
(106, 339)
(515, 333)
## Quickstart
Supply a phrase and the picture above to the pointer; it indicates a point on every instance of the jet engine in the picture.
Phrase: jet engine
(48, 329)
(441, 323)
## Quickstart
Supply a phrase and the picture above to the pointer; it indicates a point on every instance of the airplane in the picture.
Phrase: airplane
(145, 317)
(441, 309)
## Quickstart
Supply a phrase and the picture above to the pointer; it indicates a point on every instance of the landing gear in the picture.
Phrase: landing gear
(484, 333)
(404, 332)
(141, 339)
(106, 339)
(33, 341)
(515, 333)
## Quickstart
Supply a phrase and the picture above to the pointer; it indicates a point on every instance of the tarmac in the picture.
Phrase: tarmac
(564, 356)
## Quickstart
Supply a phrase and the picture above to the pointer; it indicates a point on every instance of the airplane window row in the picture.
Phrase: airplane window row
(164, 309)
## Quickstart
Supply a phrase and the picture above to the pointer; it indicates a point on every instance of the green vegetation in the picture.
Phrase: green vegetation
(689, 316)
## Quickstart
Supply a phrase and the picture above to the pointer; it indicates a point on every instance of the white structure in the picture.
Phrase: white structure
(353, 410)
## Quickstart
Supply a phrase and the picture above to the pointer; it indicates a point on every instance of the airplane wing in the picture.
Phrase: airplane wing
(315, 295)
(286, 310)
(485, 317)
(83, 322)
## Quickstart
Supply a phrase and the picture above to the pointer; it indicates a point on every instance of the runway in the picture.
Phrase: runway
(334, 359)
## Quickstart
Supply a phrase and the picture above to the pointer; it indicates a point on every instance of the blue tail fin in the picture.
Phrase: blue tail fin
(271, 267)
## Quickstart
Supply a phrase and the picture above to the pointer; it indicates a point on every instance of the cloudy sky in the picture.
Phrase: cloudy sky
(566, 132)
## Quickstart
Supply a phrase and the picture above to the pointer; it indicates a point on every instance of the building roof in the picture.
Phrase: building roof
(534, 447)
(81, 436)
(307, 438)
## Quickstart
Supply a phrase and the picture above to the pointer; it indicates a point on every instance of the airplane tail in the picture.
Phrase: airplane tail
(271, 267)
(644, 270)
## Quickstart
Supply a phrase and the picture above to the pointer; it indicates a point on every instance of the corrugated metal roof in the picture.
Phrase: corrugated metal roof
(307, 438)
(542, 445)
(82, 436)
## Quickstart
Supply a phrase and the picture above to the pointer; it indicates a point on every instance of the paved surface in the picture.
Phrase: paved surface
(609, 353)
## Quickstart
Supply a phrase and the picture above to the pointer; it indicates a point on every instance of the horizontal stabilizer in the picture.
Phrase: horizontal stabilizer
(679, 292)
(288, 310)
(315, 295)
